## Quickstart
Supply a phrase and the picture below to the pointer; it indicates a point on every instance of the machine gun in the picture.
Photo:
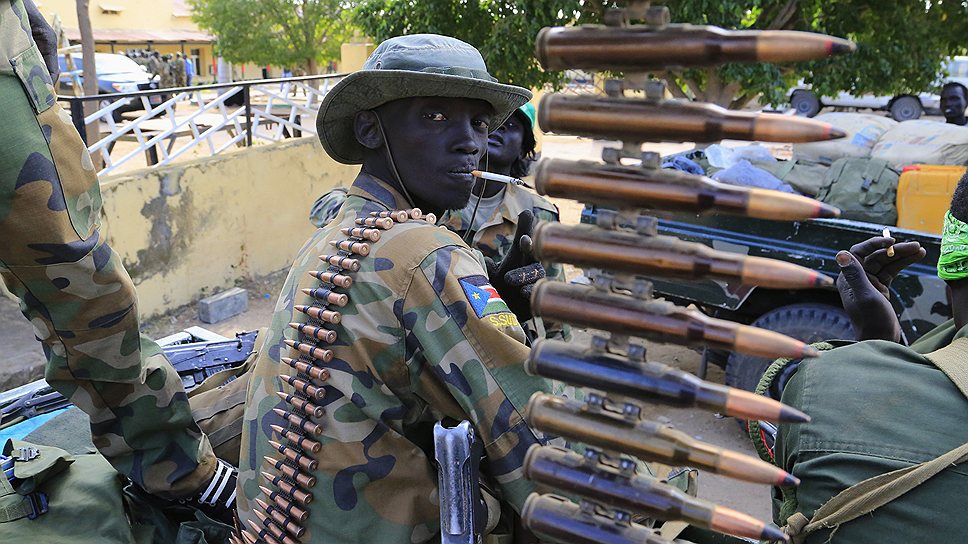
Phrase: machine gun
(194, 357)
(622, 252)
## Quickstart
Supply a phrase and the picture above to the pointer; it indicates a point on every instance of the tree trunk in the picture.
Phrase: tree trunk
(89, 72)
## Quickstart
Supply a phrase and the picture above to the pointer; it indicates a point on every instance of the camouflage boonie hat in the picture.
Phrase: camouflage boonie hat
(408, 67)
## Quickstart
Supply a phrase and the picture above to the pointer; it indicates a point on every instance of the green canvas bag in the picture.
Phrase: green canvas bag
(863, 189)
(806, 178)
(88, 502)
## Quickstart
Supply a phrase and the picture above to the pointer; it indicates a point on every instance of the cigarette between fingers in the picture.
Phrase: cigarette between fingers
(890, 248)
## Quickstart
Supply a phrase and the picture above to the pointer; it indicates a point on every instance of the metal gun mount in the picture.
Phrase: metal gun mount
(458, 456)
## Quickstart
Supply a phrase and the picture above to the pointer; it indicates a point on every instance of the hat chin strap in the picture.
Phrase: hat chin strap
(393, 165)
(470, 226)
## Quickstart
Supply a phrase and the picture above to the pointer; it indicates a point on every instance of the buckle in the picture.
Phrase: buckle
(26, 453)
(37, 502)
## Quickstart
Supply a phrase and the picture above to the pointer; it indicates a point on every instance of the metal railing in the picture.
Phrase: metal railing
(165, 124)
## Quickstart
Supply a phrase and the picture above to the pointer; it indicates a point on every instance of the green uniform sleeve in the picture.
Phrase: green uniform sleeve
(474, 351)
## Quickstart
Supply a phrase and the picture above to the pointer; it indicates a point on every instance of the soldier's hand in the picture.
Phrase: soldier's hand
(879, 267)
(866, 274)
(514, 277)
(44, 37)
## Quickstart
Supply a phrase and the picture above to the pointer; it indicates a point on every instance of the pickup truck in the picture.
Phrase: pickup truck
(918, 295)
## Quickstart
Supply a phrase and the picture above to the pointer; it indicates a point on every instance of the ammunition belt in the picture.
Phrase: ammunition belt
(283, 507)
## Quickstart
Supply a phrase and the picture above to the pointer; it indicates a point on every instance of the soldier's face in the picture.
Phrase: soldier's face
(504, 144)
(953, 103)
(436, 142)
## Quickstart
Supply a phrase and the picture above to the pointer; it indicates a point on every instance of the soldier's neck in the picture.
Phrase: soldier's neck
(959, 302)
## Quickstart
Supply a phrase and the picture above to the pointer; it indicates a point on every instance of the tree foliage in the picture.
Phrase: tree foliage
(901, 43)
(276, 32)
(503, 31)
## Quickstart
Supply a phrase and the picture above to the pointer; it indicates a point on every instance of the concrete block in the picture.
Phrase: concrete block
(224, 305)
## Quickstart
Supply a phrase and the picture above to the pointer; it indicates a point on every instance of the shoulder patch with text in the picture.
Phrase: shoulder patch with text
(482, 296)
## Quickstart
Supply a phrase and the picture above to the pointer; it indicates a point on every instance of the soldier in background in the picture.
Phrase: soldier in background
(178, 70)
(424, 337)
(154, 64)
(74, 289)
(954, 100)
(166, 73)
(139, 57)
(510, 152)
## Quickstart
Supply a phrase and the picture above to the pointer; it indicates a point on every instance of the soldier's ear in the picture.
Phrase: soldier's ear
(367, 130)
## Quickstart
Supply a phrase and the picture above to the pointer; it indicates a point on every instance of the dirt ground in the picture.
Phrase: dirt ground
(22, 360)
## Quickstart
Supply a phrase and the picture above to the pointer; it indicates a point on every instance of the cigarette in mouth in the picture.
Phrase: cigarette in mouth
(496, 177)
(887, 234)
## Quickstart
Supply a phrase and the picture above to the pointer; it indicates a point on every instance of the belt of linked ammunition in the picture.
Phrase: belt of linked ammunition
(283, 506)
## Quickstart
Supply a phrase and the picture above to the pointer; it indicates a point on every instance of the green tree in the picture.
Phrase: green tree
(901, 46)
(901, 43)
(301, 33)
(503, 31)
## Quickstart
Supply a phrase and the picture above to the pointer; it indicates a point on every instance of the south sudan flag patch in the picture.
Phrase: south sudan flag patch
(483, 298)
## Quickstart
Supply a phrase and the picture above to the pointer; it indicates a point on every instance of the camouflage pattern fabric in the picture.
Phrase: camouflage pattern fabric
(73, 287)
(422, 338)
(496, 234)
(326, 207)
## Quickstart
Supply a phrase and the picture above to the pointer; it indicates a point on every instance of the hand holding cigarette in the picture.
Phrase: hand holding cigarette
(887, 234)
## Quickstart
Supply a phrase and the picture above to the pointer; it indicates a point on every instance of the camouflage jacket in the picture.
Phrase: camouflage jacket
(496, 234)
(422, 338)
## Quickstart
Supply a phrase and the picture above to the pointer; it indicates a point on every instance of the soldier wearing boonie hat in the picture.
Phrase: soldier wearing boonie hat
(387, 323)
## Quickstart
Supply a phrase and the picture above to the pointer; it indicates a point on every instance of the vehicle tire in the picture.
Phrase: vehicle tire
(116, 114)
(805, 103)
(906, 108)
(805, 322)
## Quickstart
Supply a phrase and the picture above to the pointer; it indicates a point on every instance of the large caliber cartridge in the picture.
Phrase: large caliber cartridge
(666, 256)
(658, 321)
(671, 190)
(573, 474)
(672, 121)
(556, 519)
(647, 440)
(640, 47)
(650, 382)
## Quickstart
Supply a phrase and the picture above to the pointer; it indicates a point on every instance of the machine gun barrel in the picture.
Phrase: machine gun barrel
(672, 121)
(556, 519)
(647, 440)
(633, 187)
(588, 246)
(658, 321)
(573, 474)
(651, 382)
(641, 47)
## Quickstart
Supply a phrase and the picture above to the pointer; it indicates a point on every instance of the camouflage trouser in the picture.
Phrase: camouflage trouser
(75, 291)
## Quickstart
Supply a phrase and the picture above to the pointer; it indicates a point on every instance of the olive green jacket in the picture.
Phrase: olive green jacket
(877, 406)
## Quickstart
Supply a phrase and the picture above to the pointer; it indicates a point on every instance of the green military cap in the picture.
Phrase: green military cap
(408, 67)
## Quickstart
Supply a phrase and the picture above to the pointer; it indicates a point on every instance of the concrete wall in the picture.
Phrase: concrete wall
(187, 230)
